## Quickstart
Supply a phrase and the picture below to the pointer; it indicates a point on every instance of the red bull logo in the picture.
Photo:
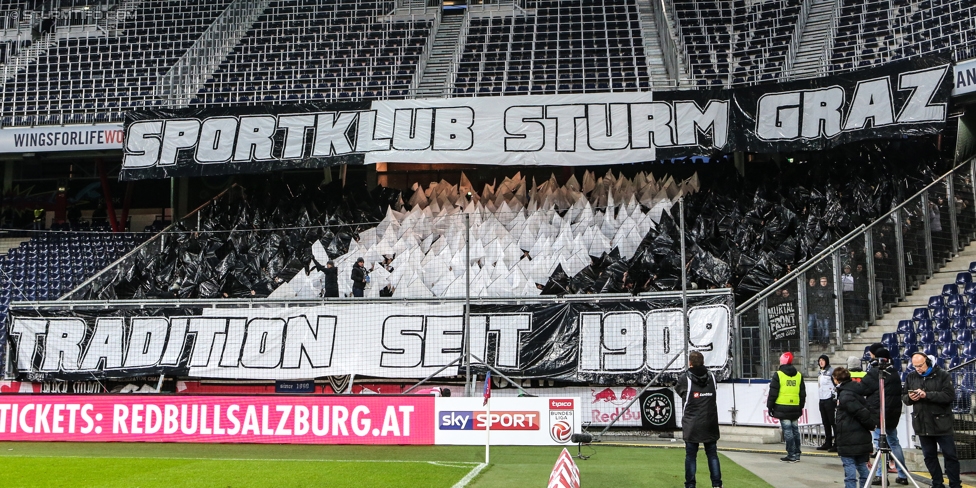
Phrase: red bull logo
(604, 395)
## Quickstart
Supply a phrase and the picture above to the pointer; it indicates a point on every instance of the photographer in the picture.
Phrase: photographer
(854, 426)
(929, 390)
(881, 368)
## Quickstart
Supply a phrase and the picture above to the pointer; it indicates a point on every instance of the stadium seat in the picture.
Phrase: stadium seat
(941, 323)
(904, 325)
(924, 325)
(950, 289)
(964, 278)
(944, 337)
(972, 267)
(907, 336)
(926, 337)
(959, 323)
(964, 336)
(936, 301)
(940, 313)
(930, 349)
(920, 314)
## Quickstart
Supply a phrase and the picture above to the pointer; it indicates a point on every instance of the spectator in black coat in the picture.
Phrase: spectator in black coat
(330, 280)
(699, 423)
(853, 430)
(359, 276)
(929, 390)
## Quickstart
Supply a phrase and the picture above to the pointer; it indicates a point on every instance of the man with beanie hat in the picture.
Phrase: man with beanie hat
(785, 402)
(828, 404)
(854, 366)
(881, 367)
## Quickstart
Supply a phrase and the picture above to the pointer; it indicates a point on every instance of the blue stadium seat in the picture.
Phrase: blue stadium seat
(957, 310)
(889, 340)
(972, 267)
(959, 323)
(926, 337)
(969, 350)
(964, 278)
(944, 337)
(964, 336)
(970, 289)
(920, 314)
(936, 301)
(956, 301)
(940, 323)
(924, 325)
(950, 289)
(908, 336)
(930, 350)
(904, 325)
(940, 313)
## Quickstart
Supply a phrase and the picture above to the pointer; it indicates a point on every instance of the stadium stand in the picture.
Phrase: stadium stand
(563, 47)
(94, 76)
(741, 42)
(51, 264)
(303, 50)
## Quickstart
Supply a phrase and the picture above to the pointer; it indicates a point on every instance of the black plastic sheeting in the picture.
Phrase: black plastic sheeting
(745, 232)
(247, 244)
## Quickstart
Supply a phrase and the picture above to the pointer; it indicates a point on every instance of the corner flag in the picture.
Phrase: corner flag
(487, 388)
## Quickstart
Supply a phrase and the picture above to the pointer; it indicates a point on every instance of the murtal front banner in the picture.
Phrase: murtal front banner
(897, 99)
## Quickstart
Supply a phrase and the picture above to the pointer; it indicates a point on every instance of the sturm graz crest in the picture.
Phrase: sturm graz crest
(657, 408)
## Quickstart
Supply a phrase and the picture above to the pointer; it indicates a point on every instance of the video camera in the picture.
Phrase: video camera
(883, 364)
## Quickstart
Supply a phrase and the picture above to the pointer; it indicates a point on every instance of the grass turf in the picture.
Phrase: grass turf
(243, 465)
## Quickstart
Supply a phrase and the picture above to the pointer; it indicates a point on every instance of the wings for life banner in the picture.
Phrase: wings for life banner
(902, 98)
(607, 342)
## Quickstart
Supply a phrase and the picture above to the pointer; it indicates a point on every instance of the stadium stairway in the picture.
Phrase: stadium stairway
(808, 62)
(904, 310)
(652, 47)
(433, 81)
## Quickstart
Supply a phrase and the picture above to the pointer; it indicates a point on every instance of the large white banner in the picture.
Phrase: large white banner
(628, 341)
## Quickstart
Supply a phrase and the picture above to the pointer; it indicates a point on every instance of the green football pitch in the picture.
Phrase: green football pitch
(249, 465)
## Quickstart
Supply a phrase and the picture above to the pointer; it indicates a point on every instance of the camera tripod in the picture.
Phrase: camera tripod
(884, 450)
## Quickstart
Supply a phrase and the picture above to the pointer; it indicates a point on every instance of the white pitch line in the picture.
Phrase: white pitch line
(451, 464)
(470, 476)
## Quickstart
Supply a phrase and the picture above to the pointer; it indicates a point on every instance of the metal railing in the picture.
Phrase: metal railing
(182, 82)
(667, 38)
(795, 37)
(823, 304)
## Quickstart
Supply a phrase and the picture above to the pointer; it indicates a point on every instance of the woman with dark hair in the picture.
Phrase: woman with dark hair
(853, 426)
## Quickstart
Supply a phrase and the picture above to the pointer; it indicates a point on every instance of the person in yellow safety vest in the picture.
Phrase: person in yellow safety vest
(38, 219)
(854, 366)
(787, 396)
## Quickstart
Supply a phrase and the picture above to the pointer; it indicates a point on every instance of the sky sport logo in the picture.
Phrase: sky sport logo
(561, 419)
(478, 420)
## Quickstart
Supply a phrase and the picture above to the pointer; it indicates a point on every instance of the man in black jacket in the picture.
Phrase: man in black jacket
(785, 402)
(330, 280)
(853, 429)
(699, 423)
(358, 276)
(929, 390)
(892, 397)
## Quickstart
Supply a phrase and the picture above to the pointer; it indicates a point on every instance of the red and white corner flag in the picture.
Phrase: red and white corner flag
(565, 474)
(487, 388)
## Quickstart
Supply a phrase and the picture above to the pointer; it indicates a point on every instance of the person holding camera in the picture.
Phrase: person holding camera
(699, 422)
(854, 426)
(929, 390)
(881, 368)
